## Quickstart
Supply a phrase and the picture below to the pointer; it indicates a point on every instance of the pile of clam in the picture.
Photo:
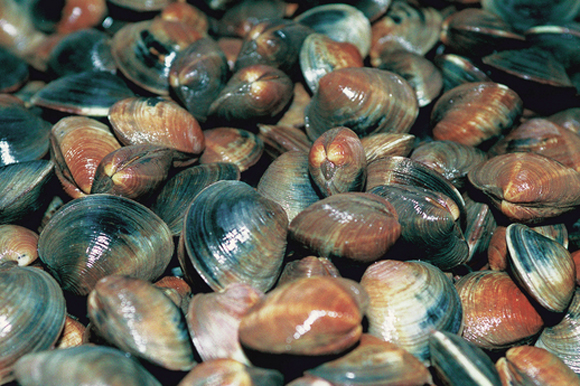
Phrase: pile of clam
(252, 192)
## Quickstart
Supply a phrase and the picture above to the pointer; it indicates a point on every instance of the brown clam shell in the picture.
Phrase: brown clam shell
(156, 121)
(339, 226)
(78, 145)
(186, 13)
(366, 100)
(307, 267)
(382, 145)
(229, 144)
(225, 371)
(473, 113)
(496, 313)
(72, 334)
(18, 244)
(281, 138)
(337, 162)
(528, 187)
(309, 316)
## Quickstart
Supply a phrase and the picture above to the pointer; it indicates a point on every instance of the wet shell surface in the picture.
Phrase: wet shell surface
(407, 301)
(100, 235)
(233, 234)
(225, 371)
(338, 226)
(366, 100)
(18, 244)
(33, 314)
(309, 316)
(306, 267)
(138, 318)
(228, 144)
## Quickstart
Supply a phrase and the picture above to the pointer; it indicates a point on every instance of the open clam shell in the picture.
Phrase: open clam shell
(542, 266)
(100, 235)
(33, 314)
(233, 234)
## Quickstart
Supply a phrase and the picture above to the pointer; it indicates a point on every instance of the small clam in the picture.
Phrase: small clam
(337, 162)
(377, 362)
(176, 289)
(338, 226)
(86, 364)
(340, 22)
(382, 145)
(186, 13)
(66, 16)
(228, 144)
(310, 316)
(33, 314)
(281, 138)
(366, 100)
(72, 333)
(100, 235)
(213, 320)
(473, 113)
(18, 244)
(496, 313)
(239, 18)
(568, 119)
(457, 70)
(16, 71)
(138, 318)
(307, 267)
(407, 301)
(156, 121)
(528, 187)
(287, 182)
(231, 372)
(527, 365)
(258, 90)
(233, 234)
(542, 266)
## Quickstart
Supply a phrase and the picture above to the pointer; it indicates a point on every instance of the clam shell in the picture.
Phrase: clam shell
(228, 144)
(87, 364)
(366, 100)
(307, 267)
(281, 138)
(496, 313)
(309, 316)
(110, 235)
(156, 121)
(33, 314)
(233, 234)
(407, 301)
(18, 244)
(543, 267)
(340, 22)
(527, 187)
(72, 333)
(457, 70)
(16, 71)
(387, 144)
(138, 318)
(287, 182)
(568, 119)
(231, 372)
(338, 226)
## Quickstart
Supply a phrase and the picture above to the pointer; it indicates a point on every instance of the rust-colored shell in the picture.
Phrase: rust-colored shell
(228, 144)
(18, 244)
(307, 267)
(309, 316)
(496, 313)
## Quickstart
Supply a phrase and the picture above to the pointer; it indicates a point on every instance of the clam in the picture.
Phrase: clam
(18, 244)
(542, 266)
(406, 26)
(287, 182)
(562, 338)
(528, 187)
(307, 267)
(67, 16)
(25, 185)
(175, 196)
(309, 316)
(198, 74)
(24, 133)
(78, 144)
(89, 93)
(155, 121)
(233, 234)
(337, 162)
(213, 320)
(430, 226)
(496, 313)
(479, 231)
(228, 144)
(72, 333)
(100, 235)
(231, 372)
(86, 364)
(254, 91)
(340, 226)
(139, 319)
(16, 71)
(366, 100)
(473, 113)
(239, 18)
(568, 119)
(382, 145)
(407, 301)
(320, 55)
(186, 13)
(273, 42)
(374, 361)
(294, 114)
(563, 41)
(144, 51)
(176, 289)
(524, 365)
(33, 314)
(282, 138)
(457, 70)
(459, 362)
(340, 22)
